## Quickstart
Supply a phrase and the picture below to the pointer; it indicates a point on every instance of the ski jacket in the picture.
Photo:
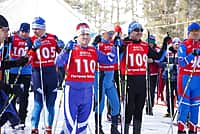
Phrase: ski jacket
(19, 47)
(137, 57)
(82, 64)
(173, 65)
(47, 51)
(106, 48)
(154, 67)
(138, 52)
(187, 61)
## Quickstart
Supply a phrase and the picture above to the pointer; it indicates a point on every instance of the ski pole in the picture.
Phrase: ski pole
(149, 104)
(42, 86)
(98, 95)
(169, 88)
(118, 30)
(62, 94)
(123, 105)
(12, 96)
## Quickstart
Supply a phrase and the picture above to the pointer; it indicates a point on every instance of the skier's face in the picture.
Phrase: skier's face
(84, 39)
(136, 34)
(24, 34)
(175, 46)
(108, 35)
(3, 33)
(194, 34)
(39, 32)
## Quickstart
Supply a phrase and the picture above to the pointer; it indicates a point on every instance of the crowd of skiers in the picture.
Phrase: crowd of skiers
(127, 71)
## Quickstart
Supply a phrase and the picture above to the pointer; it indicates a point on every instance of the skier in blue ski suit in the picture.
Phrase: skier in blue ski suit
(104, 83)
(78, 92)
(188, 80)
(44, 75)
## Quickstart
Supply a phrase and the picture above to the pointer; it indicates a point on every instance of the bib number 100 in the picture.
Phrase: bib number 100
(137, 59)
(85, 65)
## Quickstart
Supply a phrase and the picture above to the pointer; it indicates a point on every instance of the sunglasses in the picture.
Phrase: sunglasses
(195, 30)
(138, 30)
(111, 32)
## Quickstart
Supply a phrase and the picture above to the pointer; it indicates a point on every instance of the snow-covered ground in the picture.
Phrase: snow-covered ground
(155, 124)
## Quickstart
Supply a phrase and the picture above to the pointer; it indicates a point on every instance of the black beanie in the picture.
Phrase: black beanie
(3, 21)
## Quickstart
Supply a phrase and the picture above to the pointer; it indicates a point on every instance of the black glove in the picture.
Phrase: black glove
(172, 50)
(22, 61)
(96, 40)
(196, 51)
(6, 64)
(16, 89)
(174, 67)
(167, 40)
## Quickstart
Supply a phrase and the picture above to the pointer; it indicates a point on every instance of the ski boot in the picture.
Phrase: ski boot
(98, 129)
(137, 126)
(192, 128)
(167, 115)
(34, 131)
(126, 129)
(114, 129)
(149, 111)
(181, 132)
(191, 132)
(48, 130)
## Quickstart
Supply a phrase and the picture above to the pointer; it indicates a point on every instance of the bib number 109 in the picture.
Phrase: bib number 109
(137, 59)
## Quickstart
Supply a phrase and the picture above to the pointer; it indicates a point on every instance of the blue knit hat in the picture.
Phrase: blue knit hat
(151, 39)
(25, 27)
(38, 23)
(193, 26)
(134, 25)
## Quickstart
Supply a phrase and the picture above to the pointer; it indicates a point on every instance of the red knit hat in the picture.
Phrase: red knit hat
(82, 28)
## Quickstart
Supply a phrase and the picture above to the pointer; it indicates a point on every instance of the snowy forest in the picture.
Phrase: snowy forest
(161, 16)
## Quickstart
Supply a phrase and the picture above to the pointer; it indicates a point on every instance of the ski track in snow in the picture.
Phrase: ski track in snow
(155, 124)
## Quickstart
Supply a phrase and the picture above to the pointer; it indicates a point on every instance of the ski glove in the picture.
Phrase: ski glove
(117, 41)
(60, 43)
(96, 41)
(167, 40)
(16, 89)
(70, 45)
(22, 61)
(6, 64)
(37, 43)
(196, 51)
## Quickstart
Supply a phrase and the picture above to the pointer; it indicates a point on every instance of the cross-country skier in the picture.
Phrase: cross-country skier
(82, 60)
(153, 70)
(118, 32)
(8, 113)
(138, 52)
(171, 58)
(20, 44)
(44, 75)
(104, 83)
(188, 80)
